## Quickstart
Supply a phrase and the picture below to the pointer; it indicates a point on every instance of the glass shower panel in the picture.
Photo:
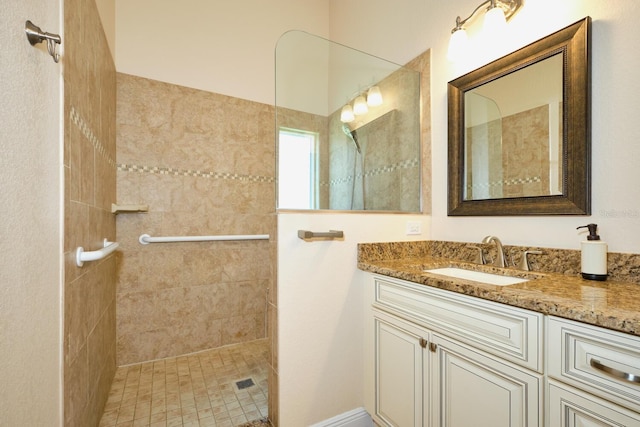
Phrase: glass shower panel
(368, 161)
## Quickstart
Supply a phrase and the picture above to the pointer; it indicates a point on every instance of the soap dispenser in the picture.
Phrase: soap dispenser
(594, 255)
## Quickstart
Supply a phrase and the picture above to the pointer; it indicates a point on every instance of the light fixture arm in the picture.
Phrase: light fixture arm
(460, 22)
(510, 7)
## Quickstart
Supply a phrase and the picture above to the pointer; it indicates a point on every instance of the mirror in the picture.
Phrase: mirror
(519, 131)
(329, 154)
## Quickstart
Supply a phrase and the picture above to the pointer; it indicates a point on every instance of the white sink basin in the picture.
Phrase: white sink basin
(477, 276)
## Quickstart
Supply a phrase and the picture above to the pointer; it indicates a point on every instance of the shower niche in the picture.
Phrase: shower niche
(347, 128)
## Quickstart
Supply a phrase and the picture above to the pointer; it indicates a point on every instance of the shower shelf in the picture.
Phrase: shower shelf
(117, 209)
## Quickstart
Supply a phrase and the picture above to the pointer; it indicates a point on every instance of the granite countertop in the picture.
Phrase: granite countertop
(609, 304)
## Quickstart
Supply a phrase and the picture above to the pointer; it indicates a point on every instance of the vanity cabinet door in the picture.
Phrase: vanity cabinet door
(401, 372)
(473, 389)
(570, 407)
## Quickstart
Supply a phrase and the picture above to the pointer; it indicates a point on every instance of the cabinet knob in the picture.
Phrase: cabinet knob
(433, 346)
(423, 343)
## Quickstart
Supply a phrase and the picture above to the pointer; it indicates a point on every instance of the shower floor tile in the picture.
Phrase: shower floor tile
(223, 387)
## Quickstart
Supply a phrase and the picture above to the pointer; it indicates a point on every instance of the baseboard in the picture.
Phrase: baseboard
(355, 418)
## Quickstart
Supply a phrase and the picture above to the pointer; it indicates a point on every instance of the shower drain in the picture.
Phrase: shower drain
(246, 383)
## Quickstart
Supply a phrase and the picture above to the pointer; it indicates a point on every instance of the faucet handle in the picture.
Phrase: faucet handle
(481, 257)
(524, 261)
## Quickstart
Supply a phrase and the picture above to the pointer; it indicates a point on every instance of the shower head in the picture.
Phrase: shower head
(351, 134)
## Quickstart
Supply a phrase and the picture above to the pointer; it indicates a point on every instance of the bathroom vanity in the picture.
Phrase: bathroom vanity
(457, 348)
(553, 350)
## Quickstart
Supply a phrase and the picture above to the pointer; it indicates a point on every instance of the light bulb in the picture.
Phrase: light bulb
(495, 22)
(346, 115)
(360, 106)
(458, 45)
(374, 97)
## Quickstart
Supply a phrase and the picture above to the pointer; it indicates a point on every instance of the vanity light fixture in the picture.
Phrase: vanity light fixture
(346, 115)
(360, 106)
(497, 13)
(495, 20)
(374, 96)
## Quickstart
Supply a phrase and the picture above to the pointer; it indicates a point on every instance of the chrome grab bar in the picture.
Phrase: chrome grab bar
(635, 379)
(332, 234)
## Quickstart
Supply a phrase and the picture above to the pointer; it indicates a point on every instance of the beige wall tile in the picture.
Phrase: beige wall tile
(204, 169)
(90, 188)
(76, 407)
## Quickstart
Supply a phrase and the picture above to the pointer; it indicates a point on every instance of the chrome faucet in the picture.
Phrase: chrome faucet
(525, 264)
(499, 262)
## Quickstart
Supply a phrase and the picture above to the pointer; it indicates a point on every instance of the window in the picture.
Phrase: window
(297, 169)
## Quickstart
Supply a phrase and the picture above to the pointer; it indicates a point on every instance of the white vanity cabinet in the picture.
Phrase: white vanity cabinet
(594, 375)
(401, 372)
(443, 359)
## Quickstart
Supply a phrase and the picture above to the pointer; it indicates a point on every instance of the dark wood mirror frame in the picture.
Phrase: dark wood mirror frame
(574, 44)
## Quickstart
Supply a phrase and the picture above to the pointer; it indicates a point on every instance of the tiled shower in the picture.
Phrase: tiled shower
(204, 165)
(202, 168)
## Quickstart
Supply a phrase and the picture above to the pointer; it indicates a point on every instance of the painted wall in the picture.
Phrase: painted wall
(320, 312)
(30, 222)
(225, 47)
(107, 12)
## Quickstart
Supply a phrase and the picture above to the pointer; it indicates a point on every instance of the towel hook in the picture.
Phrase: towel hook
(35, 35)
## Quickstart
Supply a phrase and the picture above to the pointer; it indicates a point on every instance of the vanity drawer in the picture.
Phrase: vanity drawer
(570, 407)
(511, 333)
(600, 361)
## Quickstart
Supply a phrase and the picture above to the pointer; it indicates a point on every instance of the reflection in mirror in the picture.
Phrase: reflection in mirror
(513, 135)
(519, 138)
(348, 127)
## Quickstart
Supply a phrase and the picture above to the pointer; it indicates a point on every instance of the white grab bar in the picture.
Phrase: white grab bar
(82, 256)
(145, 239)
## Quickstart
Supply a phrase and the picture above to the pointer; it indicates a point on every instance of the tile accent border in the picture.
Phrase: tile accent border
(404, 164)
(161, 170)
(506, 182)
(77, 120)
